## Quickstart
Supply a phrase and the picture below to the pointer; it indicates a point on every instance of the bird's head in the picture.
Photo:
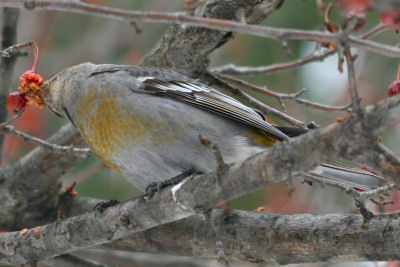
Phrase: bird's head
(62, 86)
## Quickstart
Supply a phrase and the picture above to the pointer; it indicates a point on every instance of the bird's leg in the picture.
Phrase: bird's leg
(156, 187)
(103, 205)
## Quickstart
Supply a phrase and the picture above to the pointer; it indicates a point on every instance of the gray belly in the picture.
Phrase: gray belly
(172, 145)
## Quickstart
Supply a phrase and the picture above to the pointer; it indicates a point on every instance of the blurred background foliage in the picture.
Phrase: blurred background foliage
(67, 39)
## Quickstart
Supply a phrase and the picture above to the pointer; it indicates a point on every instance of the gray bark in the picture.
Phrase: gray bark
(271, 238)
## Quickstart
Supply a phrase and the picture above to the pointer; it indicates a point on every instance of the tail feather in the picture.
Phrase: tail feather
(339, 173)
(349, 176)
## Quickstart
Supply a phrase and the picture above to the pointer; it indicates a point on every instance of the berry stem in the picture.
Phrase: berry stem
(35, 49)
(398, 72)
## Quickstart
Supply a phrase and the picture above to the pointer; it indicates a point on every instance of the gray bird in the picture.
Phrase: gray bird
(145, 123)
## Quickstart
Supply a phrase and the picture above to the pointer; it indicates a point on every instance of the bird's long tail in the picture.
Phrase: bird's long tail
(346, 175)
(339, 173)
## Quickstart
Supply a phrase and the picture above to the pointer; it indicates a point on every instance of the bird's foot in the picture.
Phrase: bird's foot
(156, 187)
(103, 205)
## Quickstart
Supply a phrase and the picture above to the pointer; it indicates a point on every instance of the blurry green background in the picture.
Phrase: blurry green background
(67, 39)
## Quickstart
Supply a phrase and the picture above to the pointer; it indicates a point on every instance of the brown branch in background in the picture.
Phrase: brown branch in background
(9, 37)
(191, 57)
(251, 101)
(232, 69)
(317, 55)
(281, 96)
(278, 34)
(355, 99)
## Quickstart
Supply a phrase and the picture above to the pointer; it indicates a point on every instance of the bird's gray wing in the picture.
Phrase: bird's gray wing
(205, 97)
(169, 84)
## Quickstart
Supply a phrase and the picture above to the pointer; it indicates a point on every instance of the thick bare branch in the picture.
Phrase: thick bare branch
(203, 192)
(190, 57)
(259, 237)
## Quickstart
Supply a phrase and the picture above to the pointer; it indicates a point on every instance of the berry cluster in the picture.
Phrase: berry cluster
(29, 93)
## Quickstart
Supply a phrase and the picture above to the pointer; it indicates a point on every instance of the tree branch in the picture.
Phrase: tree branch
(29, 187)
(295, 97)
(68, 260)
(279, 34)
(191, 57)
(270, 238)
(317, 55)
(81, 152)
(276, 164)
(9, 37)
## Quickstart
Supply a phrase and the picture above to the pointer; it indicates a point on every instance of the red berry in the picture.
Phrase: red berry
(353, 7)
(394, 88)
(16, 101)
(391, 20)
(30, 77)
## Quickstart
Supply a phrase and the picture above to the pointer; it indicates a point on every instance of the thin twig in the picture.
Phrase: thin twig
(352, 81)
(232, 69)
(17, 116)
(281, 96)
(378, 29)
(360, 198)
(382, 204)
(82, 152)
(378, 192)
(314, 178)
(317, 55)
(13, 49)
